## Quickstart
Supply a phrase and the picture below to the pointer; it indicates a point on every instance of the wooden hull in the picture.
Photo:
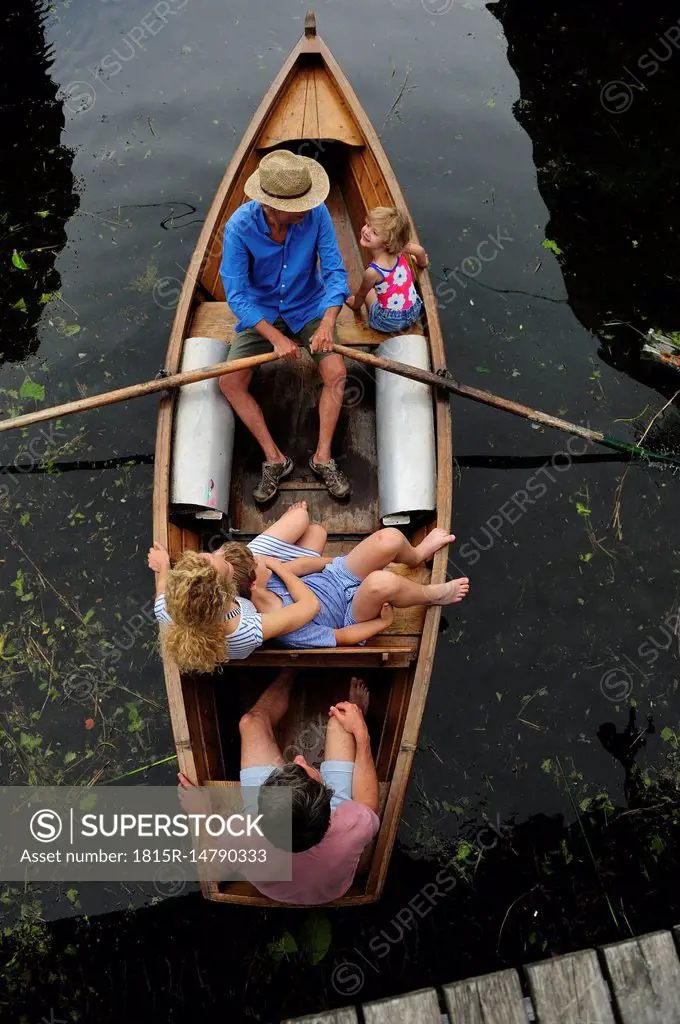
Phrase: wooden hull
(310, 108)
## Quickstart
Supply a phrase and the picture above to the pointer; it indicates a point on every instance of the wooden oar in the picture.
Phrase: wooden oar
(136, 390)
(448, 383)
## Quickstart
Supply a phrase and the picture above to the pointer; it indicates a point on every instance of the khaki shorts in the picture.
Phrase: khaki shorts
(251, 343)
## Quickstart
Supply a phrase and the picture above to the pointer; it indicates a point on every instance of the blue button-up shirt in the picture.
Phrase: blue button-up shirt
(264, 280)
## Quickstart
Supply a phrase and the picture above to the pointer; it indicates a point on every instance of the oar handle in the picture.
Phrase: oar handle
(136, 391)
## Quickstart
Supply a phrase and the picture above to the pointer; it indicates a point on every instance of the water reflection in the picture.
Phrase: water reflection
(600, 108)
(36, 181)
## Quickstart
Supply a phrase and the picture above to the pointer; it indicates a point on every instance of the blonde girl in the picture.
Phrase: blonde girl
(387, 287)
(204, 621)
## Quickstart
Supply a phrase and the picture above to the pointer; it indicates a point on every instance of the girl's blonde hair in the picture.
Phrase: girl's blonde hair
(197, 599)
(243, 562)
(393, 225)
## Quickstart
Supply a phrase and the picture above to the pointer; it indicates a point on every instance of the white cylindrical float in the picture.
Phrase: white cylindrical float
(407, 472)
(203, 442)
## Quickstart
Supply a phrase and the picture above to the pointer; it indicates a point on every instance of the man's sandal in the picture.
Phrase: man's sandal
(335, 480)
(272, 475)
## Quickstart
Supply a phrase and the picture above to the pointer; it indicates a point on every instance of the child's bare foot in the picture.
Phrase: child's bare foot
(358, 693)
(294, 506)
(387, 614)
(435, 541)
(448, 593)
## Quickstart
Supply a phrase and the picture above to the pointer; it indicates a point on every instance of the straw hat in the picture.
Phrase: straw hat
(288, 182)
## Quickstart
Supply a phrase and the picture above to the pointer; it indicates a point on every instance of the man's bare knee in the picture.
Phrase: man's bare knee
(333, 370)
(254, 721)
(233, 384)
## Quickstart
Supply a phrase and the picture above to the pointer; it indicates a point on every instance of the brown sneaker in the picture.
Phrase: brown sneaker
(335, 480)
(272, 475)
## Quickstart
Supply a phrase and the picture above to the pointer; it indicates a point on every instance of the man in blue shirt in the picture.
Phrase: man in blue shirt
(283, 300)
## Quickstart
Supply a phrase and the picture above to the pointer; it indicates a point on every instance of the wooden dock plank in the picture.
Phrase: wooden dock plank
(492, 999)
(414, 1008)
(570, 990)
(645, 978)
(346, 1016)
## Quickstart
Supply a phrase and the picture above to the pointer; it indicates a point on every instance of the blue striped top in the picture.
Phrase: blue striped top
(245, 639)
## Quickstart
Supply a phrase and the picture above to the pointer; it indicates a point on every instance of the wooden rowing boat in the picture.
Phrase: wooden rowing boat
(310, 108)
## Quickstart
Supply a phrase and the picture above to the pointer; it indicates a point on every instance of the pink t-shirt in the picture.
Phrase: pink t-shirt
(325, 872)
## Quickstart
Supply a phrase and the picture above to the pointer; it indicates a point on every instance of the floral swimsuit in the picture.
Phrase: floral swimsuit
(399, 304)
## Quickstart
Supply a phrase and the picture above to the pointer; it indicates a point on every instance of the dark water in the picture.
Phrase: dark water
(540, 816)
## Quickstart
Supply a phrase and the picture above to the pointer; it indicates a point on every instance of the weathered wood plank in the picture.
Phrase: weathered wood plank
(645, 978)
(414, 1008)
(347, 1016)
(492, 999)
(570, 990)
(215, 320)
(286, 119)
(335, 120)
(310, 120)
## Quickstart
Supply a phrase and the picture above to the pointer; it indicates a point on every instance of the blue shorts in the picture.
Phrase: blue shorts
(393, 321)
(335, 587)
(336, 774)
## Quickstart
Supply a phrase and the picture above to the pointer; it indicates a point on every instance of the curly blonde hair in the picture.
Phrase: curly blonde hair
(393, 225)
(197, 599)
(243, 562)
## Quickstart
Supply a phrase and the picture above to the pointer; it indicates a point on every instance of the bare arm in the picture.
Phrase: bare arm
(307, 564)
(421, 257)
(331, 314)
(349, 635)
(159, 562)
(370, 279)
(305, 605)
(161, 582)
(365, 789)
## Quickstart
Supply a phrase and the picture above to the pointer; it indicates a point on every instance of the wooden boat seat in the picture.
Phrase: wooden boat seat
(376, 654)
(216, 320)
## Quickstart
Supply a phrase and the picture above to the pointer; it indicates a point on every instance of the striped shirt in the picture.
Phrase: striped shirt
(247, 636)
(245, 639)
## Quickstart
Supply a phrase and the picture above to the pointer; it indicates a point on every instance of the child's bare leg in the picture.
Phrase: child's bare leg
(313, 538)
(390, 545)
(291, 525)
(383, 586)
(258, 745)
